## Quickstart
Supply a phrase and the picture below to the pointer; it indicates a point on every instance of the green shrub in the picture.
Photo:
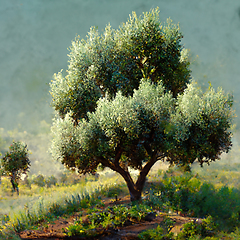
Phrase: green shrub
(112, 191)
(39, 180)
(235, 235)
(68, 178)
(57, 209)
(155, 234)
(51, 181)
(81, 229)
(206, 228)
(189, 194)
(111, 217)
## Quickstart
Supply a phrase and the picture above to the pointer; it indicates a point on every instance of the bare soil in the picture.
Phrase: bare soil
(54, 230)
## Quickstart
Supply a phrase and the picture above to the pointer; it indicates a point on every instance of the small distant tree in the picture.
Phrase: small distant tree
(127, 101)
(15, 163)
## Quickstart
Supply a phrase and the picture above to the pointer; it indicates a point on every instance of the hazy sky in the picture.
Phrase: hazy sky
(35, 36)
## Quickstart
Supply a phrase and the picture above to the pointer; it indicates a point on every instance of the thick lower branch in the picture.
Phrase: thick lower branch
(128, 179)
(134, 192)
(143, 174)
(135, 189)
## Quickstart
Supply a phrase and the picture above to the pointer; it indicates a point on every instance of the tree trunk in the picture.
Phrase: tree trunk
(14, 184)
(135, 189)
(135, 194)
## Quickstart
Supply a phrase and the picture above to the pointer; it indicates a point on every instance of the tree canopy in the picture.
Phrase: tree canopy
(16, 162)
(117, 60)
(127, 100)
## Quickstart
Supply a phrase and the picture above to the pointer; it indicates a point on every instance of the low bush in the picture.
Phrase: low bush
(51, 181)
(155, 234)
(111, 217)
(189, 195)
(205, 228)
(39, 180)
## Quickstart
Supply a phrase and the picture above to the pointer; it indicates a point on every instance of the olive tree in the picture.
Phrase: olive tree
(15, 163)
(127, 101)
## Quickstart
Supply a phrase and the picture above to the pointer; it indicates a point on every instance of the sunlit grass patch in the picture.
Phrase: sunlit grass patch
(56, 201)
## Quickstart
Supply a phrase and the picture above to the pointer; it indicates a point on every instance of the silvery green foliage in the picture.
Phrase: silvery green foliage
(129, 123)
(156, 49)
(117, 60)
(16, 161)
(64, 139)
(72, 95)
(195, 126)
(201, 125)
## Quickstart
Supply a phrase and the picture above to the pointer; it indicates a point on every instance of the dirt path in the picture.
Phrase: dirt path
(54, 230)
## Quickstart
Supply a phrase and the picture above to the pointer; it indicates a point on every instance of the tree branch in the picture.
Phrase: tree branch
(123, 172)
(142, 176)
(118, 154)
(148, 149)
